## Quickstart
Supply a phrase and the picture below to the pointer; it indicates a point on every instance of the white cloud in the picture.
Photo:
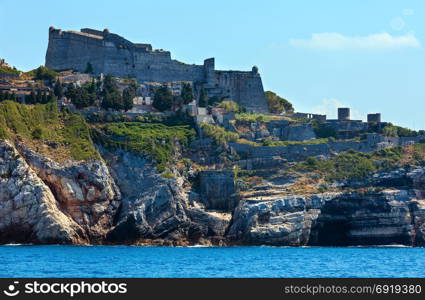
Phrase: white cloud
(398, 23)
(329, 107)
(337, 41)
(408, 12)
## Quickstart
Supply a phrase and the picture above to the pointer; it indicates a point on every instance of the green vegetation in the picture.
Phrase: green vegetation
(7, 96)
(58, 89)
(250, 118)
(203, 99)
(187, 93)
(9, 70)
(43, 73)
(286, 143)
(112, 97)
(231, 106)
(158, 141)
(89, 68)
(39, 97)
(356, 165)
(397, 131)
(220, 135)
(278, 104)
(42, 124)
(163, 98)
(83, 96)
(323, 131)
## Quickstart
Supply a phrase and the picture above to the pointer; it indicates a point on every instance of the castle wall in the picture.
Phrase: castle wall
(245, 88)
(110, 53)
(69, 50)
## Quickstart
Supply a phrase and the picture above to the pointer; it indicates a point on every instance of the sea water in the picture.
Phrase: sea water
(134, 261)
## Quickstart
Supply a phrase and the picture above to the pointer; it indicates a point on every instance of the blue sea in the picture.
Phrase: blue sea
(134, 261)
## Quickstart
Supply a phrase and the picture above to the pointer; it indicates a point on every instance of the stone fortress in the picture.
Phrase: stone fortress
(109, 53)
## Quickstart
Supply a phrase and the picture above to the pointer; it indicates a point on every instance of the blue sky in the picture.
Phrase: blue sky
(368, 55)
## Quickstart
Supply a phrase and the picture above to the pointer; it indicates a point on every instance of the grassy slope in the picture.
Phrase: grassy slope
(351, 164)
(43, 128)
(153, 139)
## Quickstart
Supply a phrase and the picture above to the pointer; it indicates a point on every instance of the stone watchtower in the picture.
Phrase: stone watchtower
(343, 114)
(374, 118)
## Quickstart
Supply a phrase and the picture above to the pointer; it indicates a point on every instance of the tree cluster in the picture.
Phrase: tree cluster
(44, 73)
(7, 96)
(39, 97)
(165, 100)
(278, 104)
(83, 96)
(112, 97)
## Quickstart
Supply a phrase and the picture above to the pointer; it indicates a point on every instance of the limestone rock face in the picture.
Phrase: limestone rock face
(124, 199)
(218, 189)
(29, 212)
(84, 190)
(390, 216)
(156, 208)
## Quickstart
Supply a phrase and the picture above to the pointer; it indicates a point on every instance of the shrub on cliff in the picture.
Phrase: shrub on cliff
(43, 73)
(231, 106)
(323, 130)
(252, 118)
(220, 135)
(397, 131)
(278, 104)
(158, 141)
(9, 70)
(357, 165)
(348, 165)
(40, 125)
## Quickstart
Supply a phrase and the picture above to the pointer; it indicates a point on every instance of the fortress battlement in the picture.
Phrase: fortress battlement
(110, 53)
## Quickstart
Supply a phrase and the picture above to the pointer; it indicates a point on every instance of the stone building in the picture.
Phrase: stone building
(374, 118)
(343, 114)
(109, 53)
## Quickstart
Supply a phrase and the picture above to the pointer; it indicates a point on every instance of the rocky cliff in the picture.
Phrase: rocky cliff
(383, 216)
(122, 198)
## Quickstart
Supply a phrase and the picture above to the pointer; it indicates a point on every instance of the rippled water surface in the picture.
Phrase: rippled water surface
(129, 261)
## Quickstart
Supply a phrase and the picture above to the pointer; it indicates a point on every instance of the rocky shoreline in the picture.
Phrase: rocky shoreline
(122, 199)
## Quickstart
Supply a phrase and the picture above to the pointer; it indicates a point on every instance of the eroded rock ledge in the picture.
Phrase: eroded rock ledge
(122, 199)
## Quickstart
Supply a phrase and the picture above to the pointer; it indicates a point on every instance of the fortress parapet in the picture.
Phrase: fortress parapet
(109, 53)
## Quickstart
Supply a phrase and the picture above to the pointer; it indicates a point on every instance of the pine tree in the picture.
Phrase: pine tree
(203, 100)
(89, 68)
(187, 94)
(58, 89)
(163, 98)
(127, 97)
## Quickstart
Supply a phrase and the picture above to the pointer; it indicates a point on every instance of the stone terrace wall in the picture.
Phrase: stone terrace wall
(297, 152)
